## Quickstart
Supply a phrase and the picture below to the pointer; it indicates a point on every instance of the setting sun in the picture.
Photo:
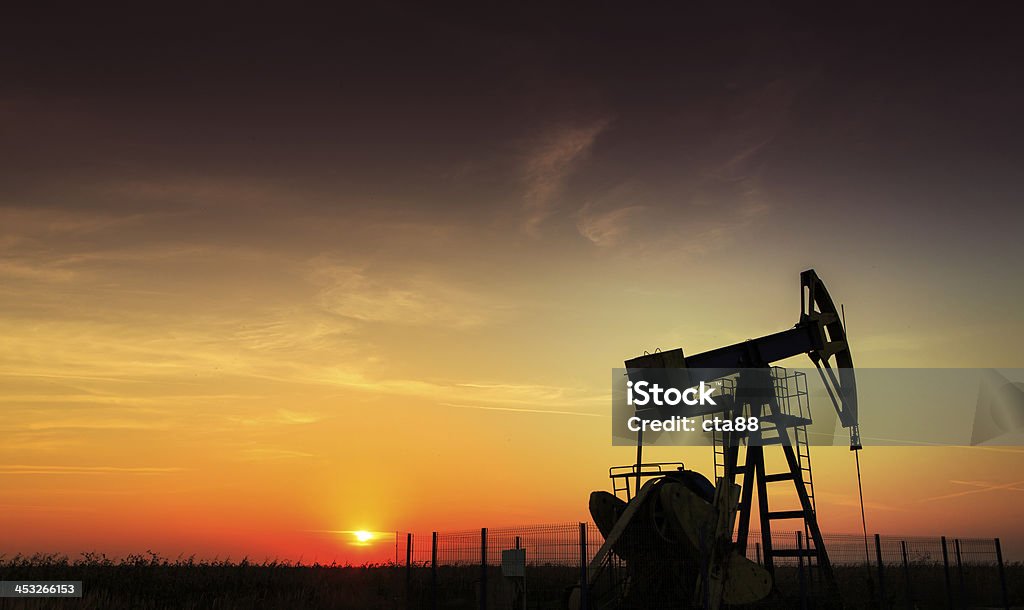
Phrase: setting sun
(363, 536)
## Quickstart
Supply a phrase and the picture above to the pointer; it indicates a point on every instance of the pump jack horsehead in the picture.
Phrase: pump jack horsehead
(675, 541)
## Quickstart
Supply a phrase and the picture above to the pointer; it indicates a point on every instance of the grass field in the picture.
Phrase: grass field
(149, 581)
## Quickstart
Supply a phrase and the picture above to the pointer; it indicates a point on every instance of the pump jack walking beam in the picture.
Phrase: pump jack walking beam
(819, 333)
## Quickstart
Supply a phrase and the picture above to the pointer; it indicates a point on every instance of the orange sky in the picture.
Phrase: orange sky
(222, 402)
(373, 274)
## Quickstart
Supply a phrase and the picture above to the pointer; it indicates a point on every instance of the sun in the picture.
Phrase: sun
(363, 536)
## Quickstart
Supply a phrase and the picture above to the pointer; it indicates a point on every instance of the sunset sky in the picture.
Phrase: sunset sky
(269, 276)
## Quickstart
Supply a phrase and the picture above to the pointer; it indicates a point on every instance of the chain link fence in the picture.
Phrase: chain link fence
(463, 569)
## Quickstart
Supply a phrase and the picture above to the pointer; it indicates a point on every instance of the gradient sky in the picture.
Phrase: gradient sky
(266, 275)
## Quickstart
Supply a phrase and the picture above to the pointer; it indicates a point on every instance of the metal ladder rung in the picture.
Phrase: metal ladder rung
(786, 514)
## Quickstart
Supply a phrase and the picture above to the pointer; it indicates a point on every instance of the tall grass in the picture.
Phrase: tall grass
(148, 581)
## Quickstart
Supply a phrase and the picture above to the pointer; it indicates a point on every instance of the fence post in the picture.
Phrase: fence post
(483, 568)
(800, 563)
(521, 603)
(960, 574)
(584, 586)
(433, 571)
(906, 574)
(1002, 575)
(881, 571)
(945, 569)
(408, 570)
(757, 552)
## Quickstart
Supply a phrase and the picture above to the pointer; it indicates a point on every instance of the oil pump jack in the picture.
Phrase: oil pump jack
(674, 541)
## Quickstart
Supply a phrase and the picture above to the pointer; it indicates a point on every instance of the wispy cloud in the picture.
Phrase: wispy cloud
(60, 508)
(548, 167)
(979, 487)
(40, 272)
(845, 500)
(497, 396)
(35, 223)
(606, 227)
(405, 297)
(524, 410)
(258, 454)
(360, 538)
(91, 422)
(280, 417)
(730, 183)
(87, 470)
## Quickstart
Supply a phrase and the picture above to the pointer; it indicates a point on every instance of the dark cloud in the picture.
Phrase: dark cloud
(438, 110)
